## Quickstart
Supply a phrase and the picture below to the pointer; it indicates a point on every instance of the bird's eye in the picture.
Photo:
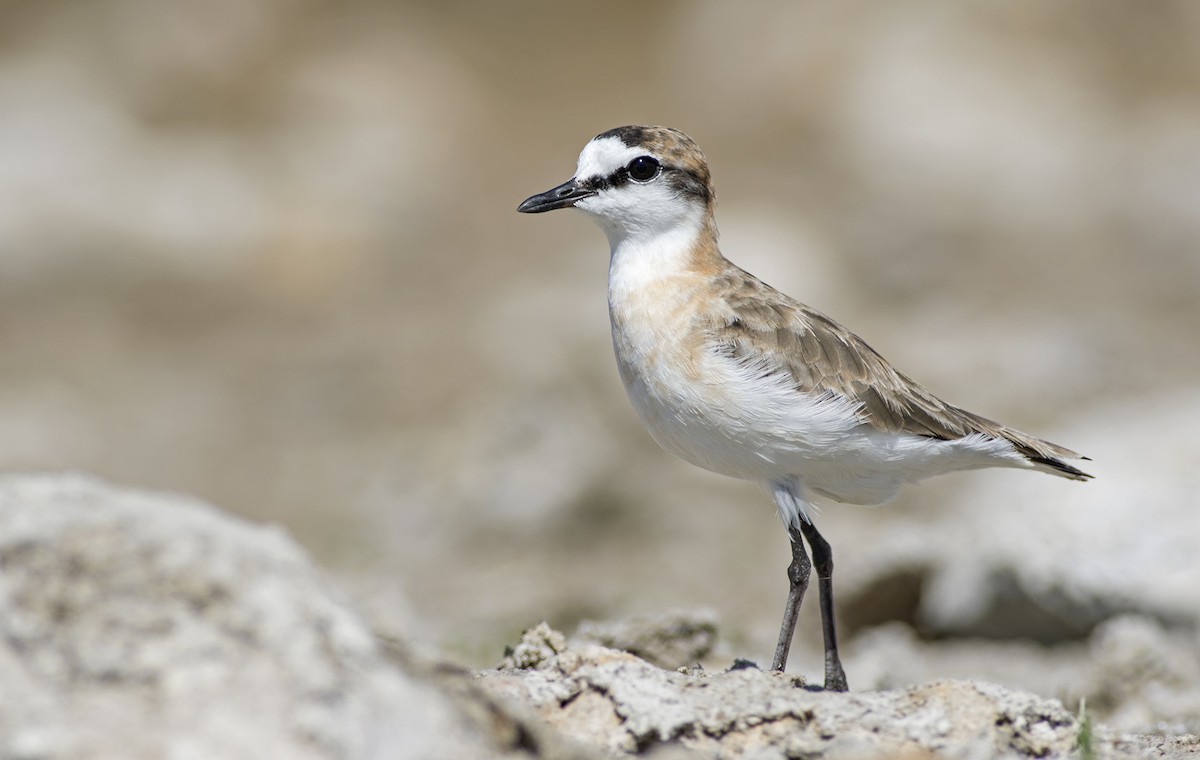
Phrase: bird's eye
(643, 169)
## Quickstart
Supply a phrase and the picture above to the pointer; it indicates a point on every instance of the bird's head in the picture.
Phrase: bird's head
(635, 182)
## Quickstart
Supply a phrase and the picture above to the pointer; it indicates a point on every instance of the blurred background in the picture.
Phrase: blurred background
(267, 253)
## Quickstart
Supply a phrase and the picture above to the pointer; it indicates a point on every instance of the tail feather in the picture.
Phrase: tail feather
(1056, 466)
(1045, 456)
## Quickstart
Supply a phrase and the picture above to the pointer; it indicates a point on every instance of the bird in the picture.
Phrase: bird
(738, 378)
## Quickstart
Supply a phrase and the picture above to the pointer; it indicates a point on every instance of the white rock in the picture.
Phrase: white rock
(138, 625)
(622, 704)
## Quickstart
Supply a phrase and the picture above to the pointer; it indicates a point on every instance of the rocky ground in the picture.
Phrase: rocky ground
(143, 625)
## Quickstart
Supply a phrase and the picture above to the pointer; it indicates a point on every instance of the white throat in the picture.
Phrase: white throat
(655, 239)
(641, 257)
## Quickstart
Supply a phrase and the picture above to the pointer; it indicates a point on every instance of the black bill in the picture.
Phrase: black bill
(564, 196)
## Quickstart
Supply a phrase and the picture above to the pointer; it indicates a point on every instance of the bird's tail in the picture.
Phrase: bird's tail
(1045, 456)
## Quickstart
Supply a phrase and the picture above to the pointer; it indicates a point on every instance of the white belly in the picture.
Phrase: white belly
(698, 405)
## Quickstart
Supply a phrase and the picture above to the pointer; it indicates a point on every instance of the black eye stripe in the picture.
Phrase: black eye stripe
(683, 181)
(619, 178)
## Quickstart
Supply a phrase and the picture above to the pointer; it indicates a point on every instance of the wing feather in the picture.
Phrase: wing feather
(779, 336)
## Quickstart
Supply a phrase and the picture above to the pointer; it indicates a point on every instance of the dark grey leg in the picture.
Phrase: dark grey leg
(798, 572)
(822, 557)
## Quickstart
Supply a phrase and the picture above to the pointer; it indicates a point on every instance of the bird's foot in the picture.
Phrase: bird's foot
(835, 677)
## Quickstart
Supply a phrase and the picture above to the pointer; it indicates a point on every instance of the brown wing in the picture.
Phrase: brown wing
(775, 334)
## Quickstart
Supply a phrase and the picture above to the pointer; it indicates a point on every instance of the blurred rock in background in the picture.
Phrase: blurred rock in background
(267, 254)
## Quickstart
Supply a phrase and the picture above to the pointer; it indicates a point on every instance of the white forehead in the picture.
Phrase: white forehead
(603, 156)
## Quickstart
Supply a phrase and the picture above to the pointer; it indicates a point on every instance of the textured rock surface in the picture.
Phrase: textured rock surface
(675, 639)
(139, 625)
(603, 698)
(1134, 674)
